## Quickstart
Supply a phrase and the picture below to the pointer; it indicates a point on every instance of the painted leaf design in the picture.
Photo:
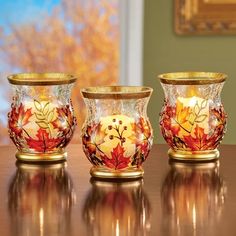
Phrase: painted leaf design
(99, 135)
(38, 105)
(204, 104)
(46, 108)
(182, 113)
(19, 118)
(140, 129)
(42, 124)
(39, 116)
(43, 143)
(50, 116)
(196, 108)
(199, 142)
(118, 160)
(201, 118)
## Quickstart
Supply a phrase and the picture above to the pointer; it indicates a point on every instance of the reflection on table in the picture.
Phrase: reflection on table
(193, 197)
(113, 208)
(40, 199)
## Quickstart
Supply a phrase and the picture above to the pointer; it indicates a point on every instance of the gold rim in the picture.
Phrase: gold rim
(192, 78)
(41, 79)
(116, 92)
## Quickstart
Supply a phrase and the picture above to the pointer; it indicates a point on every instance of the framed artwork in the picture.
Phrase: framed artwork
(196, 17)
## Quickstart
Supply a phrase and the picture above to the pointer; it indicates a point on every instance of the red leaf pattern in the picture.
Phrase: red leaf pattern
(44, 142)
(197, 139)
(118, 160)
(18, 118)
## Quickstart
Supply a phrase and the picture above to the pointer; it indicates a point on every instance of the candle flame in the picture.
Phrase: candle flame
(192, 91)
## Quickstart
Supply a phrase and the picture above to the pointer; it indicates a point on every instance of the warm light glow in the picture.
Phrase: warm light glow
(42, 116)
(117, 228)
(191, 112)
(194, 215)
(193, 101)
(41, 221)
(121, 126)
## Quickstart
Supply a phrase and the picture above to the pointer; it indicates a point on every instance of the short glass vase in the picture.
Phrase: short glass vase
(117, 135)
(41, 121)
(193, 120)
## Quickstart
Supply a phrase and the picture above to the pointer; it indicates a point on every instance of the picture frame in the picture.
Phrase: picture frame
(205, 17)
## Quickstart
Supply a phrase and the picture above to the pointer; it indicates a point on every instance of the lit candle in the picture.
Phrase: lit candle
(43, 114)
(119, 130)
(191, 112)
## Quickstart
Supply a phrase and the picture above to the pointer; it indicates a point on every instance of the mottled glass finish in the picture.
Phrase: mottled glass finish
(41, 121)
(117, 135)
(193, 120)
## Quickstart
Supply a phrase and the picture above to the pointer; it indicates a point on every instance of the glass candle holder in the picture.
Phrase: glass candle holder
(41, 121)
(117, 135)
(193, 120)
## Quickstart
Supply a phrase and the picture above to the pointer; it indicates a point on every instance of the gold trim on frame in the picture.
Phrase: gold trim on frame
(196, 17)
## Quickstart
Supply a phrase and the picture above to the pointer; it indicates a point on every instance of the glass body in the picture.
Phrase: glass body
(41, 121)
(113, 208)
(193, 120)
(117, 135)
(37, 195)
(193, 197)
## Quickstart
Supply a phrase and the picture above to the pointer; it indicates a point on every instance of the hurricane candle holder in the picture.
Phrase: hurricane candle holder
(193, 120)
(41, 121)
(117, 135)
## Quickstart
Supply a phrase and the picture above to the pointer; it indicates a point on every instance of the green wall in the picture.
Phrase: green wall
(164, 51)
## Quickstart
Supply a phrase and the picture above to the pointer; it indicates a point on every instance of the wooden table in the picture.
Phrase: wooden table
(172, 199)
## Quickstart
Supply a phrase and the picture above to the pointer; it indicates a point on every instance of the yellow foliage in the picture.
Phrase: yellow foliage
(79, 37)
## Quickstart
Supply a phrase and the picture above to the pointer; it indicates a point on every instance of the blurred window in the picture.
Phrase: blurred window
(88, 38)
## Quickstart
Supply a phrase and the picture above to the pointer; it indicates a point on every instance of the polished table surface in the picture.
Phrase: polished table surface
(171, 199)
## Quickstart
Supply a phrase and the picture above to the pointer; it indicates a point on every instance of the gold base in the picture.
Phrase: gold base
(194, 156)
(41, 157)
(132, 173)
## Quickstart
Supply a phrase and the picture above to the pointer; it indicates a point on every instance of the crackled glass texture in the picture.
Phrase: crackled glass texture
(193, 117)
(41, 119)
(117, 134)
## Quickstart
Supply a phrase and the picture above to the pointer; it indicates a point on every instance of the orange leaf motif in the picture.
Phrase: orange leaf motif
(19, 118)
(118, 160)
(199, 142)
(93, 137)
(43, 143)
(182, 113)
